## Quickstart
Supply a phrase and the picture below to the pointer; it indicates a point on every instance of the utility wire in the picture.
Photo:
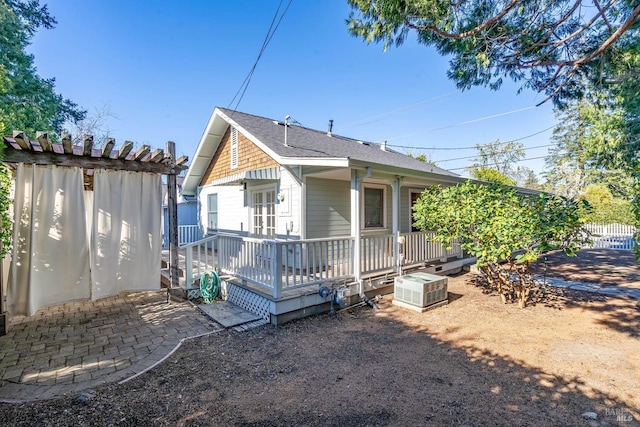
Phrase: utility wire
(270, 33)
(464, 123)
(378, 117)
(475, 146)
(476, 156)
(485, 118)
(501, 163)
(548, 156)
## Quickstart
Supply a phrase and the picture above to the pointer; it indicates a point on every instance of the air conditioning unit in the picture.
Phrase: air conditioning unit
(420, 291)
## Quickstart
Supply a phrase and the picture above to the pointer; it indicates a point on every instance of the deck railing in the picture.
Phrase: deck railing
(199, 257)
(188, 234)
(378, 253)
(277, 265)
(419, 248)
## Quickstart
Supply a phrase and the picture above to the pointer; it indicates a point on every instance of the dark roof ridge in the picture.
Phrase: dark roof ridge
(333, 135)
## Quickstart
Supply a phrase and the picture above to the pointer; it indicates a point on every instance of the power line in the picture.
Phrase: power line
(270, 33)
(469, 148)
(464, 123)
(514, 161)
(485, 118)
(549, 156)
(476, 156)
(377, 117)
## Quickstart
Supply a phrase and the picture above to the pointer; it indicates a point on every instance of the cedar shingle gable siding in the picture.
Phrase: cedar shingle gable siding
(250, 157)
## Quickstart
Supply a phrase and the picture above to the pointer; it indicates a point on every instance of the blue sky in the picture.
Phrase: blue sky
(160, 67)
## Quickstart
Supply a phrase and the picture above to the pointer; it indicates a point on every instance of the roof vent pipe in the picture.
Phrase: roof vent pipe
(383, 145)
(286, 125)
(330, 127)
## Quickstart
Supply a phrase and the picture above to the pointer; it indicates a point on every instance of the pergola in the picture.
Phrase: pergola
(42, 151)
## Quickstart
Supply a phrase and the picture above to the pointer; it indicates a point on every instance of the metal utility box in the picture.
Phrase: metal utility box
(420, 290)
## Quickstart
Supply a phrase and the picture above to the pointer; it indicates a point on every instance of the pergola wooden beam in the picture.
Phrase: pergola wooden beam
(86, 162)
(22, 140)
(43, 139)
(125, 150)
(67, 143)
(108, 147)
(43, 152)
(142, 151)
(181, 160)
(88, 145)
(156, 156)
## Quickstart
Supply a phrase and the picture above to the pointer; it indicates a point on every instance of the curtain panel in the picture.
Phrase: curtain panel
(71, 245)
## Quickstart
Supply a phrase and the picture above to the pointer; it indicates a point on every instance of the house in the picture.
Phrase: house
(293, 208)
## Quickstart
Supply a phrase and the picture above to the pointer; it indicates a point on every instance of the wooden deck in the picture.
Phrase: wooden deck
(280, 280)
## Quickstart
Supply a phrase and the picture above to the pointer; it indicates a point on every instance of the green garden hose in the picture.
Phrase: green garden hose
(209, 286)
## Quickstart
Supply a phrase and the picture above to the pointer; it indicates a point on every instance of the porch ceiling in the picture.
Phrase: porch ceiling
(342, 174)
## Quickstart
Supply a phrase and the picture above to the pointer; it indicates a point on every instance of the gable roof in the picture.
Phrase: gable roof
(304, 146)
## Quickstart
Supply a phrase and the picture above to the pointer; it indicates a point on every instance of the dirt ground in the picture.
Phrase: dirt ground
(604, 266)
(474, 362)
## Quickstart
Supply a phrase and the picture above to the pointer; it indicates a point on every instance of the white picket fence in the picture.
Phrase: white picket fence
(611, 236)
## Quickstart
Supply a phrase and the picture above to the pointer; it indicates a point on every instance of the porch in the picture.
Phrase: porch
(281, 277)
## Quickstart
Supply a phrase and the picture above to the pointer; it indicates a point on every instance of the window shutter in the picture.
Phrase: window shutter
(234, 148)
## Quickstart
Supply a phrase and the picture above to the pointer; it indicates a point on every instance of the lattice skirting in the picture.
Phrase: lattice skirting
(193, 293)
(243, 298)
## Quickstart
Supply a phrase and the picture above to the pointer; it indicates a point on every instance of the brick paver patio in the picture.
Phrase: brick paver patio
(71, 347)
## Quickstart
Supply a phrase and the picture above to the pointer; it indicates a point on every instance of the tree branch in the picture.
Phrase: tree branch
(468, 33)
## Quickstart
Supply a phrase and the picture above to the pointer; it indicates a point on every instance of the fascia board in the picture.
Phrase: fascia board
(207, 146)
(311, 161)
(393, 170)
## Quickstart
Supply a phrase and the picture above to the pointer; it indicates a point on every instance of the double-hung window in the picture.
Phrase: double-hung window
(374, 212)
(212, 211)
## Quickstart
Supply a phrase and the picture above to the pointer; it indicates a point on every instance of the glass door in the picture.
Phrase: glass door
(263, 213)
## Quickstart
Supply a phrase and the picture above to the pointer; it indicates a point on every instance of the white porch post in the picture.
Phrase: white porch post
(395, 214)
(356, 229)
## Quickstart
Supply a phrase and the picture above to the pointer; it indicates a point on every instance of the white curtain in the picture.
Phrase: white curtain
(61, 231)
(50, 258)
(126, 239)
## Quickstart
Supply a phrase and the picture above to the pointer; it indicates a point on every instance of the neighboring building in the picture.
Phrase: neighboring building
(188, 228)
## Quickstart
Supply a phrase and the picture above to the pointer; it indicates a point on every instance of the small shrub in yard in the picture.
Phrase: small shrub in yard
(504, 229)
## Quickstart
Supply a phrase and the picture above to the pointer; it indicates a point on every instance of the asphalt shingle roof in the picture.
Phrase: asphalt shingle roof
(305, 142)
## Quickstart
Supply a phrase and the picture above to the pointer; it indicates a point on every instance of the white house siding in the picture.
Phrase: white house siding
(290, 208)
(233, 214)
(328, 208)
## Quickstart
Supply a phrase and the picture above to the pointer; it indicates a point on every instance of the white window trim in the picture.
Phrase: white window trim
(234, 148)
(384, 207)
